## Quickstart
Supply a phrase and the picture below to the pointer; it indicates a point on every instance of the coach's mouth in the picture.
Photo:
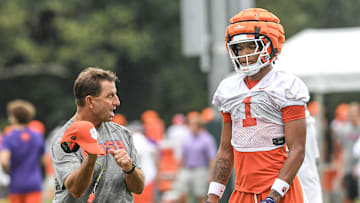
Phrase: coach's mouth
(112, 112)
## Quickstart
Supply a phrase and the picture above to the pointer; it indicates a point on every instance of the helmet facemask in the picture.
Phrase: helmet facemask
(260, 27)
(242, 63)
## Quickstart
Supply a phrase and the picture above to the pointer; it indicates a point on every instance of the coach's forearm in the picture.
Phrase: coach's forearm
(79, 181)
(135, 181)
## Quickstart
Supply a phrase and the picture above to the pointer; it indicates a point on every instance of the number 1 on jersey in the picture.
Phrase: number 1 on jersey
(248, 121)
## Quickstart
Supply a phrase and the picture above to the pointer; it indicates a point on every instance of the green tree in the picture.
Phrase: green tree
(300, 14)
(47, 43)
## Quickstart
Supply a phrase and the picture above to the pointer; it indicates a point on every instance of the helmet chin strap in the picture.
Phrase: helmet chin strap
(251, 73)
(251, 69)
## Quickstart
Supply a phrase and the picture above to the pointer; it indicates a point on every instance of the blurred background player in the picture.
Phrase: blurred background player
(345, 132)
(337, 129)
(349, 139)
(4, 177)
(262, 109)
(199, 151)
(177, 133)
(148, 161)
(120, 119)
(22, 152)
(48, 182)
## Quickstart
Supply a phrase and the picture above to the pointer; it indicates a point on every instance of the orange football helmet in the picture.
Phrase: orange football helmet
(261, 27)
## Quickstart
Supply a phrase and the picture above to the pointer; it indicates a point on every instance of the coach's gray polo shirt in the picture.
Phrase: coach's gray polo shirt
(111, 187)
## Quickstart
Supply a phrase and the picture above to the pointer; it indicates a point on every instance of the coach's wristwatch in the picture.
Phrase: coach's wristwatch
(132, 169)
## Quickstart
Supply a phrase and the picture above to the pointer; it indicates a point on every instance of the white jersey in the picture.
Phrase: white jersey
(176, 135)
(146, 152)
(308, 173)
(256, 113)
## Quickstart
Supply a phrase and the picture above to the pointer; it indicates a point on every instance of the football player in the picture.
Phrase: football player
(263, 110)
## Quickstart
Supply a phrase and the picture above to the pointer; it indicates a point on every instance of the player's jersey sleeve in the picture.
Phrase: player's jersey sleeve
(6, 143)
(293, 92)
(226, 90)
(219, 98)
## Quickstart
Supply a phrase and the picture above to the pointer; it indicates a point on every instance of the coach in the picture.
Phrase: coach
(85, 170)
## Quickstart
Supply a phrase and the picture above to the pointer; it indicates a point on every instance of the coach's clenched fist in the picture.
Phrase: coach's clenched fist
(122, 159)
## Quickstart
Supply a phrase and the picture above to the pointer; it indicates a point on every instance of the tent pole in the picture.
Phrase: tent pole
(319, 120)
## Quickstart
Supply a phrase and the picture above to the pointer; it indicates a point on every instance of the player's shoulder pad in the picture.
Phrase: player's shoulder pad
(226, 89)
(294, 88)
(231, 80)
(229, 84)
(286, 78)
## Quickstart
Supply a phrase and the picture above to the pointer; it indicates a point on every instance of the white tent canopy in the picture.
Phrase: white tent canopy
(325, 59)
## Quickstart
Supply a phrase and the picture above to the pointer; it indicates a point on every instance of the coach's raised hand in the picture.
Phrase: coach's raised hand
(134, 178)
(122, 159)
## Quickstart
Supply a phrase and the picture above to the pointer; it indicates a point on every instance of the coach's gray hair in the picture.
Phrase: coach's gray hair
(88, 83)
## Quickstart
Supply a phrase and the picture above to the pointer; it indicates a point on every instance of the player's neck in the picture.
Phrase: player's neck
(19, 126)
(258, 76)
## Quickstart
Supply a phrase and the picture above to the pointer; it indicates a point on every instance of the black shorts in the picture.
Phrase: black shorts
(351, 186)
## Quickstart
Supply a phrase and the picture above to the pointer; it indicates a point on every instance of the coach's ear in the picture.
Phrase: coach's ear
(89, 101)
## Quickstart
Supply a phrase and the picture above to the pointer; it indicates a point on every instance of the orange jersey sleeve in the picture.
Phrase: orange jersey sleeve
(226, 117)
(291, 113)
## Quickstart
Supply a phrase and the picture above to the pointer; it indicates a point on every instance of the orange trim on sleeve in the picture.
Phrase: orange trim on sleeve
(226, 117)
(291, 113)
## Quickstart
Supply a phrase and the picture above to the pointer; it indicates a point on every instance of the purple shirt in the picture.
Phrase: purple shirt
(199, 150)
(26, 148)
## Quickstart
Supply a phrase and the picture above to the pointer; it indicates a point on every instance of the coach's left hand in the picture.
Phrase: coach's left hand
(122, 159)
